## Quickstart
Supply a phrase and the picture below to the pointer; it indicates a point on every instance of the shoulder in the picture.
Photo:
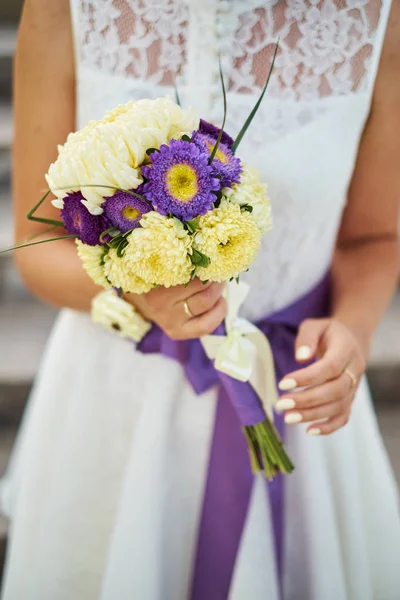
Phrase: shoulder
(387, 87)
(42, 14)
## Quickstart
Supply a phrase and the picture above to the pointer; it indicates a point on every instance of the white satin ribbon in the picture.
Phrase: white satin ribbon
(244, 352)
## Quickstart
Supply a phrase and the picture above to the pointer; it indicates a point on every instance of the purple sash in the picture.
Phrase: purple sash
(229, 479)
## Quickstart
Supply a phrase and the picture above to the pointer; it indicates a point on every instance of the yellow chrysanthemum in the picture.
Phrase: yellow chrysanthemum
(119, 272)
(251, 191)
(91, 258)
(160, 251)
(230, 238)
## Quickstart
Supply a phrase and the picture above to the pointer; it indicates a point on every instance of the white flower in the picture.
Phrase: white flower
(107, 154)
(250, 191)
(120, 317)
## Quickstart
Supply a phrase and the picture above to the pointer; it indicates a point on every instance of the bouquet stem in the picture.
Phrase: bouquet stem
(266, 450)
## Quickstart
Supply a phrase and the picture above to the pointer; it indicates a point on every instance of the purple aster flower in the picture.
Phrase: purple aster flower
(78, 220)
(180, 180)
(125, 211)
(213, 131)
(225, 164)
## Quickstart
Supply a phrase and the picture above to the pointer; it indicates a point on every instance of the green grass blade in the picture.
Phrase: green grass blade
(177, 98)
(217, 143)
(63, 237)
(31, 214)
(45, 232)
(256, 106)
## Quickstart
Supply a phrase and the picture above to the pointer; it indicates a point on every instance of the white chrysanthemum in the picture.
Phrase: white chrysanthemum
(91, 257)
(120, 317)
(230, 238)
(108, 155)
(109, 152)
(160, 251)
(251, 191)
(169, 115)
(119, 272)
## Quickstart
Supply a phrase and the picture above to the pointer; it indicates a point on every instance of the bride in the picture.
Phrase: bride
(108, 488)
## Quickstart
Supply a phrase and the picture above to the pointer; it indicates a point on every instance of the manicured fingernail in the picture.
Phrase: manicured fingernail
(303, 353)
(314, 431)
(287, 384)
(285, 404)
(292, 418)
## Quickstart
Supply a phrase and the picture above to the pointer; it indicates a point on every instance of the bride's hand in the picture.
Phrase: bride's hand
(183, 312)
(330, 383)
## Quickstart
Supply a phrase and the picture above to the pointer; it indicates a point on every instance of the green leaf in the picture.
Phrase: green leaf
(192, 225)
(111, 231)
(246, 207)
(31, 214)
(186, 138)
(256, 106)
(199, 259)
(121, 247)
(214, 150)
(62, 237)
(151, 150)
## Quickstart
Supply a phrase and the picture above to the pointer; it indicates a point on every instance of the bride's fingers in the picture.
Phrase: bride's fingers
(331, 391)
(204, 324)
(205, 299)
(331, 366)
(330, 425)
(324, 411)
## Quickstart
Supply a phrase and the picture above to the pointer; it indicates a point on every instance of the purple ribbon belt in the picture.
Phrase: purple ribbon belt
(229, 479)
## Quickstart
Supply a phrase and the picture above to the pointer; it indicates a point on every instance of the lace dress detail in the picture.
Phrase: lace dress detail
(323, 78)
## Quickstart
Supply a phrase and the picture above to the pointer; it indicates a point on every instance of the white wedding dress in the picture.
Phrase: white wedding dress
(106, 484)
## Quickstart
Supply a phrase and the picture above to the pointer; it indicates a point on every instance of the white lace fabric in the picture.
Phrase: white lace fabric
(322, 82)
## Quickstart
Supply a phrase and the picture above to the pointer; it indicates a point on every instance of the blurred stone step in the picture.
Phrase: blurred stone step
(386, 344)
(8, 40)
(6, 224)
(6, 125)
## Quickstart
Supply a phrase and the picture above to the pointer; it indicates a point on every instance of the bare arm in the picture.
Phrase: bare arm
(367, 260)
(44, 110)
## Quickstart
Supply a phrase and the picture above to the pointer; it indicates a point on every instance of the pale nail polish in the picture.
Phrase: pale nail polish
(285, 404)
(314, 431)
(293, 418)
(303, 353)
(287, 384)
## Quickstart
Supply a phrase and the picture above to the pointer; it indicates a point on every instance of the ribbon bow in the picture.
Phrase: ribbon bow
(244, 353)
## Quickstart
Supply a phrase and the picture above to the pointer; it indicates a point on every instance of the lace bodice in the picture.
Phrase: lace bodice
(305, 137)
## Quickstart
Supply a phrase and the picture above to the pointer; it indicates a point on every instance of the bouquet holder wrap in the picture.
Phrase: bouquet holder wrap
(245, 354)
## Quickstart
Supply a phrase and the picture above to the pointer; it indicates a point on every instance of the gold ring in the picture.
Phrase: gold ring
(353, 378)
(187, 310)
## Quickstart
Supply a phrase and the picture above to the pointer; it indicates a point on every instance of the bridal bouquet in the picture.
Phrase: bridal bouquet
(155, 196)
(169, 203)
